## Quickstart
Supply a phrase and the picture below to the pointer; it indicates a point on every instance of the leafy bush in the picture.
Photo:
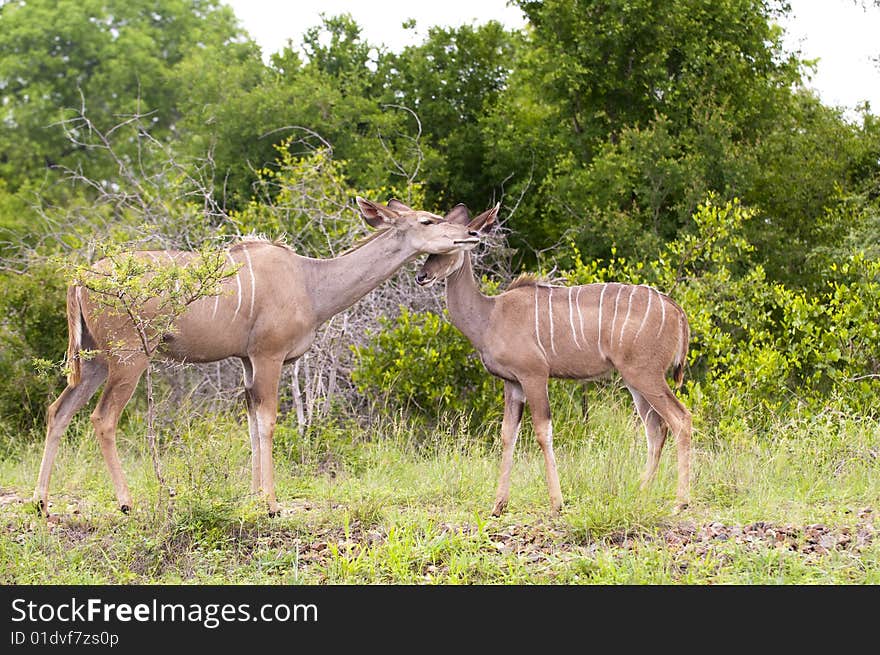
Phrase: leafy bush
(303, 198)
(420, 361)
(759, 348)
(33, 325)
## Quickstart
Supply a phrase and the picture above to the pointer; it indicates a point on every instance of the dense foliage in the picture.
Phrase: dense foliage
(672, 143)
(420, 361)
(758, 347)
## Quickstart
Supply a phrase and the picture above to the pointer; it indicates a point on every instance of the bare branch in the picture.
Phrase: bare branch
(417, 148)
(301, 128)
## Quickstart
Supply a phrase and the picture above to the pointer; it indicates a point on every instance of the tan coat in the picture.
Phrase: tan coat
(266, 314)
(534, 331)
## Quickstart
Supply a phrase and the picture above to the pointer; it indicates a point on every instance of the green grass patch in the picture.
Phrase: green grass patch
(364, 505)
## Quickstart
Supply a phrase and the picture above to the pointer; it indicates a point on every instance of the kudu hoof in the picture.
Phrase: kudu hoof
(680, 507)
(40, 508)
(498, 510)
(125, 509)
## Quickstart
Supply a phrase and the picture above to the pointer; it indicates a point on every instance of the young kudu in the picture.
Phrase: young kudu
(267, 315)
(534, 331)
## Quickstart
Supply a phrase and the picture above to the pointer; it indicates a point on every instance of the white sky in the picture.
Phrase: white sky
(846, 39)
(841, 33)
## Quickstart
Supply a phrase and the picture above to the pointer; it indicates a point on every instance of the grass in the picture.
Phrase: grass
(796, 505)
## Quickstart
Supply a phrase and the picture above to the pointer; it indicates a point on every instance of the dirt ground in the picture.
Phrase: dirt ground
(536, 542)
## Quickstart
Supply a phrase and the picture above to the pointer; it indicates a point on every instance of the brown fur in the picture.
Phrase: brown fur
(267, 314)
(534, 331)
(528, 280)
(278, 242)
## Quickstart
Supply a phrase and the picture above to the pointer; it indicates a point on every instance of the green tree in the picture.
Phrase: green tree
(332, 99)
(815, 180)
(449, 81)
(609, 64)
(116, 57)
(620, 116)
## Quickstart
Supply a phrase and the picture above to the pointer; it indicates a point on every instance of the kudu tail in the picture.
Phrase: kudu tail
(681, 357)
(74, 336)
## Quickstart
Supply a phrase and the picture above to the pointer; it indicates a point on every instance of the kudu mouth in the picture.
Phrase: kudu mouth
(471, 242)
(424, 280)
(473, 239)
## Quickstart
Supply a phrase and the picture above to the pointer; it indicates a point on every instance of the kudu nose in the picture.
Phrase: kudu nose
(421, 277)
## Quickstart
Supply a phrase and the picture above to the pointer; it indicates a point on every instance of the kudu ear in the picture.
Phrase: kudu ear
(485, 221)
(376, 214)
(398, 206)
(458, 214)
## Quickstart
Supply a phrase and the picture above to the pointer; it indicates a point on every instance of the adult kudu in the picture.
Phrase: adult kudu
(534, 331)
(266, 315)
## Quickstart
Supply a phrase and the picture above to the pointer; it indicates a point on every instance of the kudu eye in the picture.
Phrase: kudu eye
(473, 233)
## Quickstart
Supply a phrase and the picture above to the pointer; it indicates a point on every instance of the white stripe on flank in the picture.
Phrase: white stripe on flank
(601, 298)
(537, 327)
(238, 282)
(253, 280)
(577, 302)
(571, 319)
(647, 311)
(550, 312)
(663, 314)
(626, 318)
(614, 318)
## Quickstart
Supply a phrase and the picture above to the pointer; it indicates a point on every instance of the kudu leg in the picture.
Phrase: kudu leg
(58, 417)
(256, 479)
(655, 433)
(121, 383)
(513, 411)
(262, 399)
(678, 419)
(539, 405)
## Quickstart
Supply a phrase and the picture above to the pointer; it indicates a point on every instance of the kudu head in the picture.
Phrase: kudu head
(440, 266)
(421, 230)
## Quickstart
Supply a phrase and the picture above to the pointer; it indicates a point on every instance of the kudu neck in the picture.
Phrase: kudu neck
(339, 282)
(469, 309)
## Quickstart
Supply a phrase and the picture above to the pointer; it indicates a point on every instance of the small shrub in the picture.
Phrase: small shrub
(422, 362)
(33, 326)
